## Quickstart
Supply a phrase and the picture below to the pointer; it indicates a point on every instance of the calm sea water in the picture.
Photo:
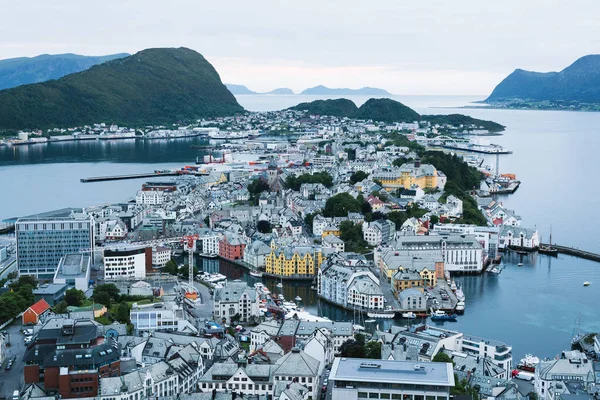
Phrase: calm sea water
(532, 308)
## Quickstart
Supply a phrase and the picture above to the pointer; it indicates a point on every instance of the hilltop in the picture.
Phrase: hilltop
(325, 91)
(162, 85)
(579, 82)
(25, 70)
(388, 110)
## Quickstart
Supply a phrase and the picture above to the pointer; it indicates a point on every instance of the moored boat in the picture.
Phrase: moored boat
(528, 363)
(256, 274)
(460, 295)
(381, 314)
(298, 298)
(439, 315)
(409, 315)
(460, 307)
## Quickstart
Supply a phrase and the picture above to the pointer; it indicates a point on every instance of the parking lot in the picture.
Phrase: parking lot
(12, 379)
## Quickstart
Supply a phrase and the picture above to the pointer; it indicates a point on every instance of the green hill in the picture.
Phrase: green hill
(578, 82)
(25, 70)
(460, 119)
(163, 85)
(332, 107)
(387, 110)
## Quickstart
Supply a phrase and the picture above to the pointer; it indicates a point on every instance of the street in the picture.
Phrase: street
(13, 379)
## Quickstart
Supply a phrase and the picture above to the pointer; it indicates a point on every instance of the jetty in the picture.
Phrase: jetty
(571, 251)
(129, 176)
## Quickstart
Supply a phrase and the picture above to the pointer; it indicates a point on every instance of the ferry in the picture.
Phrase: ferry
(382, 314)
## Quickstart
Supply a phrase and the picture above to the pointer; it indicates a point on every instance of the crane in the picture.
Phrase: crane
(190, 242)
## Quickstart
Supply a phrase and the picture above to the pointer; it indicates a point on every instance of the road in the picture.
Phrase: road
(13, 380)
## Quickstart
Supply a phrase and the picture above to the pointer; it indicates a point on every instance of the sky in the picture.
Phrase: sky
(420, 47)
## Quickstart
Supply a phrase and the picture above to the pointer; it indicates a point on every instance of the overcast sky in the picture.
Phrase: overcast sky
(406, 47)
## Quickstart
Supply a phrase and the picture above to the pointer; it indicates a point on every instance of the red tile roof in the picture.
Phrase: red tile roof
(40, 307)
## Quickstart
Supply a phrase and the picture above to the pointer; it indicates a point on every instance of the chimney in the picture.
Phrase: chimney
(417, 162)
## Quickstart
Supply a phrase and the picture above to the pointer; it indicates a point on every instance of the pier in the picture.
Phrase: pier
(122, 177)
(571, 251)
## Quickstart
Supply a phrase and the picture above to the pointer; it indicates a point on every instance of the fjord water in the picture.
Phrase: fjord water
(532, 308)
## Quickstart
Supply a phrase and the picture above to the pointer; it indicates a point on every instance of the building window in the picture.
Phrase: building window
(373, 395)
(362, 395)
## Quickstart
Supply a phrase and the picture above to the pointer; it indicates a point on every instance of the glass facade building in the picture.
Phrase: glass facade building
(42, 242)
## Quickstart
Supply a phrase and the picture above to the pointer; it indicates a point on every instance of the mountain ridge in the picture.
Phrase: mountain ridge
(160, 85)
(26, 70)
(321, 90)
(242, 89)
(579, 82)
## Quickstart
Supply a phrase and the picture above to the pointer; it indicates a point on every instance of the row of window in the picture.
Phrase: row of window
(398, 396)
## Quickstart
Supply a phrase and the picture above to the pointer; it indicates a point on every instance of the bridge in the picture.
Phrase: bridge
(572, 251)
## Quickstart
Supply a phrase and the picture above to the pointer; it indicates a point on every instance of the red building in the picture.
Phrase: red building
(232, 247)
(70, 356)
(32, 315)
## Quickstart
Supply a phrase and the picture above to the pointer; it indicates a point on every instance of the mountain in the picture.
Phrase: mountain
(387, 110)
(280, 91)
(578, 82)
(26, 70)
(239, 89)
(333, 107)
(325, 91)
(163, 85)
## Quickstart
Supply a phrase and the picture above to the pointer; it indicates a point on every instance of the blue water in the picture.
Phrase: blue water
(532, 308)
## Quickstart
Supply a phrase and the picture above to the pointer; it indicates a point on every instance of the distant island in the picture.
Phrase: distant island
(576, 87)
(325, 91)
(153, 86)
(390, 111)
(241, 89)
(25, 70)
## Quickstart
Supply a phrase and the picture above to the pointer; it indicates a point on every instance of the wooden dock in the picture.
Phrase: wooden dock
(571, 251)
(130, 176)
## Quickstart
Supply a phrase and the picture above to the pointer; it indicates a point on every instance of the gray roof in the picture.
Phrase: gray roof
(232, 293)
(297, 363)
(49, 288)
(408, 372)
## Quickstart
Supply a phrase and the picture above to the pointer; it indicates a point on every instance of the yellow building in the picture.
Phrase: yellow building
(330, 230)
(393, 262)
(422, 175)
(298, 262)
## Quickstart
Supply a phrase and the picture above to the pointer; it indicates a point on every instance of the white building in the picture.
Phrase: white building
(160, 256)
(150, 197)
(208, 242)
(380, 232)
(550, 376)
(74, 270)
(358, 378)
(334, 242)
(236, 298)
(255, 254)
(461, 253)
(160, 316)
(125, 263)
(515, 236)
(455, 206)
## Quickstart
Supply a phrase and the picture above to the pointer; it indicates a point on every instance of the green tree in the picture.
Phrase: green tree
(308, 219)
(397, 217)
(398, 162)
(434, 219)
(358, 176)
(103, 298)
(340, 205)
(60, 308)
(352, 236)
(74, 297)
(294, 182)
(122, 314)
(360, 339)
(351, 348)
(170, 267)
(442, 357)
(373, 350)
(111, 290)
(264, 226)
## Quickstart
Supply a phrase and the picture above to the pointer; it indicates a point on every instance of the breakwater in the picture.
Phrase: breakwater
(571, 251)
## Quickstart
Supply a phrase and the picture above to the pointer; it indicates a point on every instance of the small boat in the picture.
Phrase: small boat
(279, 285)
(289, 305)
(409, 315)
(460, 295)
(453, 286)
(256, 274)
(440, 315)
(460, 307)
(586, 283)
(495, 270)
(298, 298)
(381, 314)
(519, 264)
(280, 296)
(528, 363)
(370, 321)
(548, 250)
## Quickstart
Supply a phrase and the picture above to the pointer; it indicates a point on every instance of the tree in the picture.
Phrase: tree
(122, 314)
(308, 220)
(397, 217)
(170, 267)
(264, 226)
(60, 308)
(358, 176)
(102, 298)
(442, 357)
(360, 339)
(74, 297)
(340, 205)
(294, 182)
(110, 289)
(351, 348)
(352, 236)
(373, 350)
(398, 162)
(434, 219)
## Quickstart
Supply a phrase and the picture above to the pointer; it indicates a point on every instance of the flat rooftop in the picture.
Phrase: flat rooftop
(389, 371)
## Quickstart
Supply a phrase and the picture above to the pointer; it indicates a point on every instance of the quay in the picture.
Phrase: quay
(123, 177)
(478, 149)
(571, 251)
(509, 189)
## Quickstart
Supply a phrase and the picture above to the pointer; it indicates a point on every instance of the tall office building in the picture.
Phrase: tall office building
(43, 239)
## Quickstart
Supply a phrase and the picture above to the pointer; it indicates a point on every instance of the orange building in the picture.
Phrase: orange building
(32, 315)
